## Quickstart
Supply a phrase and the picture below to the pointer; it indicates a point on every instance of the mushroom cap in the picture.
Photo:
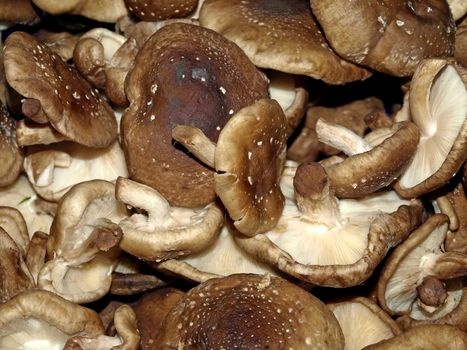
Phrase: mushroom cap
(11, 157)
(20, 11)
(367, 172)
(99, 10)
(12, 221)
(461, 43)
(39, 318)
(223, 313)
(156, 10)
(438, 106)
(390, 36)
(427, 337)
(456, 239)
(69, 103)
(280, 35)
(166, 231)
(181, 76)
(363, 322)
(62, 43)
(249, 160)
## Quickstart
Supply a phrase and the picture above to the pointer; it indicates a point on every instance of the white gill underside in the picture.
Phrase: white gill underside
(360, 325)
(439, 127)
(31, 334)
(224, 258)
(313, 243)
(401, 288)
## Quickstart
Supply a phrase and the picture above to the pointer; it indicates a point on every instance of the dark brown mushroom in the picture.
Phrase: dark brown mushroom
(154, 10)
(280, 35)
(54, 92)
(11, 156)
(182, 76)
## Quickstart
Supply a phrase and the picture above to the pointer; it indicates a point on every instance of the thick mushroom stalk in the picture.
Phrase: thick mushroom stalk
(432, 291)
(164, 231)
(371, 165)
(248, 158)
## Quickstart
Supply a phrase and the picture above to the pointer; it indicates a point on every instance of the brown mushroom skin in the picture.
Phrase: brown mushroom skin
(156, 10)
(181, 77)
(11, 156)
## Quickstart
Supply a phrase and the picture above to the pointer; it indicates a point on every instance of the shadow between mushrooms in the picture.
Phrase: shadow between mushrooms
(330, 242)
(189, 75)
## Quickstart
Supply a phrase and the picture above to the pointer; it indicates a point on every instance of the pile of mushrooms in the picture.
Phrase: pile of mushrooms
(226, 174)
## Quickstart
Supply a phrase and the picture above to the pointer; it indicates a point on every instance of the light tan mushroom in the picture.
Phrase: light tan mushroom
(83, 242)
(458, 8)
(412, 281)
(280, 35)
(330, 242)
(99, 10)
(37, 319)
(390, 37)
(12, 221)
(363, 322)
(438, 106)
(31, 133)
(164, 231)
(52, 171)
(430, 337)
(36, 253)
(59, 95)
(181, 76)
(247, 311)
(248, 159)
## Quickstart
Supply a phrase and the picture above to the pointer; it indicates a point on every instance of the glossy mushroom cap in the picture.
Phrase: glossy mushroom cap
(54, 92)
(245, 311)
(389, 36)
(280, 35)
(182, 76)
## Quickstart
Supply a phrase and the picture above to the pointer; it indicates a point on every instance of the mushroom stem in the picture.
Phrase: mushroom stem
(446, 207)
(29, 133)
(432, 292)
(450, 265)
(195, 141)
(315, 196)
(107, 235)
(32, 109)
(341, 138)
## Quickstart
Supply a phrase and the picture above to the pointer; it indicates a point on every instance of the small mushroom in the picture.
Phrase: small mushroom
(389, 37)
(438, 106)
(223, 313)
(156, 10)
(99, 10)
(165, 231)
(411, 282)
(43, 320)
(248, 159)
(363, 322)
(181, 76)
(329, 242)
(11, 156)
(82, 247)
(429, 337)
(54, 92)
(369, 167)
(280, 35)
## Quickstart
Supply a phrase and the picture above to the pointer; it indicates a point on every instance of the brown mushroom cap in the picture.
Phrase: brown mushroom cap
(18, 11)
(389, 36)
(99, 10)
(281, 35)
(428, 337)
(245, 311)
(57, 92)
(182, 76)
(40, 318)
(456, 238)
(62, 43)
(12, 221)
(11, 157)
(461, 43)
(154, 10)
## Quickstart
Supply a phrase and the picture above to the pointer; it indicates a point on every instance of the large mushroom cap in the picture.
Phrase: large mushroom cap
(154, 10)
(247, 311)
(54, 92)
(182, 76)
(389, 36)
(280, 35)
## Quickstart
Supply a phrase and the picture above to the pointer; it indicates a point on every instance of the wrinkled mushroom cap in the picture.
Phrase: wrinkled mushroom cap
(280, 35)
(390, 36)
(223, 313)
(69, 103)
(182, 76)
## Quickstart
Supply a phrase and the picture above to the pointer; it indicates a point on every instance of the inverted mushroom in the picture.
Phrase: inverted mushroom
(182, 76)
(390, 37)
(223, 313)
(59, 95)
(280, 35)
